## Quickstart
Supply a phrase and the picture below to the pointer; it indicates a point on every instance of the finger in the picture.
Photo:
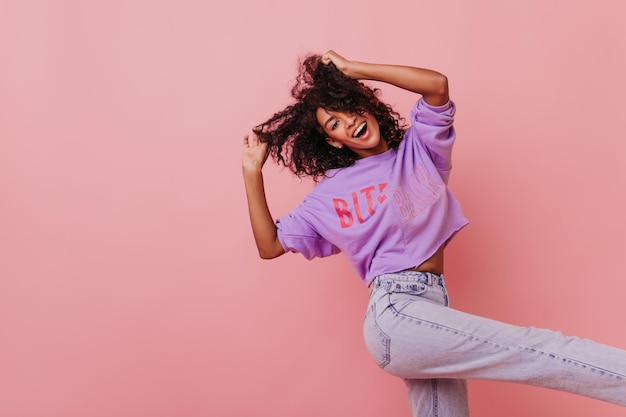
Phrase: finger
(327, 58)
(246, 142)
(255, 140)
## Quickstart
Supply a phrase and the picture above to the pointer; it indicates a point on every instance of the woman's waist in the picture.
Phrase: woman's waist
(426, 270)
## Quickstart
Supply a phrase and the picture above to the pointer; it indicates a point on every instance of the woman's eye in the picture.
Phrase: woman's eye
(334, 125)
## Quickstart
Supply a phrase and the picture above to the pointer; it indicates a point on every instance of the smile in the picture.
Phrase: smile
(359, 131)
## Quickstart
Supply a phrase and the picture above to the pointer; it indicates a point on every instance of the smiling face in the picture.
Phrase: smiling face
(358, 132)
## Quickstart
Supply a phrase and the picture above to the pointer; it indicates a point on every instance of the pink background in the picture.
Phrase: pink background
(129, 283)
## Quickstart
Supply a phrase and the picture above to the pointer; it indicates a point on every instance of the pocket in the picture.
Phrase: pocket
(434, 294)
(377, 341)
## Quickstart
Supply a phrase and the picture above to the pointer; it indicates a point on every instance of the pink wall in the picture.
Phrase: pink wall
(129, 285)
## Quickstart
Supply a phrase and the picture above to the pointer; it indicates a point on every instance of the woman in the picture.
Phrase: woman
(381, 199)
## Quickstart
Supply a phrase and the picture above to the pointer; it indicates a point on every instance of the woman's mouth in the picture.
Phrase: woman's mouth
(360, 131)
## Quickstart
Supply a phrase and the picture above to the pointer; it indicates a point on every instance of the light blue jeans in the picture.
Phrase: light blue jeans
(412, 333)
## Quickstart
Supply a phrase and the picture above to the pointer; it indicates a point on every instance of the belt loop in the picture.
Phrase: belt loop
(427, 278)
(434, 279)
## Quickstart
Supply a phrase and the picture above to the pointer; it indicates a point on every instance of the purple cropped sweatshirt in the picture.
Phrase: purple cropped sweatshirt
(387, 212)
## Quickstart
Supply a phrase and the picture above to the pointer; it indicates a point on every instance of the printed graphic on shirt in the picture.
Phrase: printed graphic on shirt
(411, 198)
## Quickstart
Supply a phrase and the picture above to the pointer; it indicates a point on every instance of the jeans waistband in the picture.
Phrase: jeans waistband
(407, 281)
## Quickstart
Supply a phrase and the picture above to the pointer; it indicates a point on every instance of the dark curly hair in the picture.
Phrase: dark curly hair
(294, 136)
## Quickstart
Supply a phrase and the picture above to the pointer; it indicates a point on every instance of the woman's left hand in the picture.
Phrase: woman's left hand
(340, 62)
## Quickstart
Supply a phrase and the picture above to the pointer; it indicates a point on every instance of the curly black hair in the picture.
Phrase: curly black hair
(294, 136)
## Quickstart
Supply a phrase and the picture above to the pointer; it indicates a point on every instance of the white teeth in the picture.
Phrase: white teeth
(359, 129)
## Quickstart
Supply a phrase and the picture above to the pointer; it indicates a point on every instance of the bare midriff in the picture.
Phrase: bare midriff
(434, 264)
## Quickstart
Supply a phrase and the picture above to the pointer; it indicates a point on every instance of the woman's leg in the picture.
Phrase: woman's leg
(438, 397)
(427, 397)
(412, 334)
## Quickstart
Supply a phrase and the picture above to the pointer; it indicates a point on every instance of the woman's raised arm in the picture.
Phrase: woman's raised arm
(432, 85)
(263, 227)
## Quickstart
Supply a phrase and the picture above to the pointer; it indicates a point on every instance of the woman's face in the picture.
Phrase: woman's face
(359, 132)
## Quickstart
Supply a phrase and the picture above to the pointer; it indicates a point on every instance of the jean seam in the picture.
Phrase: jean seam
(565, 359)
(520, 348)
(433, 385)
(385, 340)
(445, 328)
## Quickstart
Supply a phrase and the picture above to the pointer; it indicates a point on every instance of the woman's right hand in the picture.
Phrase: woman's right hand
(255, 153)
(254, 156)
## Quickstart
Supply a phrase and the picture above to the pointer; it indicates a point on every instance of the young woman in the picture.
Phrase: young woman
(381, 199)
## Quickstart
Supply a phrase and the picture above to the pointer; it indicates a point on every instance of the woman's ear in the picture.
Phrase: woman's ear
(332, 142)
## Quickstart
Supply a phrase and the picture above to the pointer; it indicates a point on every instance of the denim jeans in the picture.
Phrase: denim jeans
(412, 333)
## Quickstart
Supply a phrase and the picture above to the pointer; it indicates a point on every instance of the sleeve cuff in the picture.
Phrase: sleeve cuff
(437, 109)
